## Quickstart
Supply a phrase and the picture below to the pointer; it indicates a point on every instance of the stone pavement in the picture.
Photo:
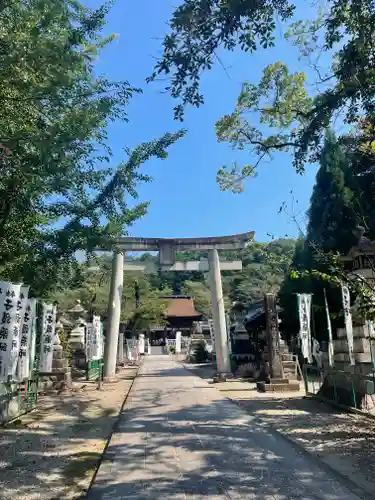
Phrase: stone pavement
(179, 438)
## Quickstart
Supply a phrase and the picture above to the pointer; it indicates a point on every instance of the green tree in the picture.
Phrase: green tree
(264, 268)
(343, 29)
(201, 295)
(332, 220)
(58, 193)
(199, 28)
(332, 213)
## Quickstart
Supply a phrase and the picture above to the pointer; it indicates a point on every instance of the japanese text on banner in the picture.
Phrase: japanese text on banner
(28, 334)
(9, 326)
(48, 333)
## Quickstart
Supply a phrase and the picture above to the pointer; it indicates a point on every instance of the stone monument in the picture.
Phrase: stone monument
(275, 381)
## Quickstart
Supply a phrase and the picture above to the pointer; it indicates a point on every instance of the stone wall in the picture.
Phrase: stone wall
(344, 381)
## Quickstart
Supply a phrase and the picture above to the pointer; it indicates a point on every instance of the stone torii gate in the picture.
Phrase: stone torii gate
(167, 249)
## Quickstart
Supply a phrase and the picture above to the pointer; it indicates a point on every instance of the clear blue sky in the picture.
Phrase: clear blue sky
(185, 198)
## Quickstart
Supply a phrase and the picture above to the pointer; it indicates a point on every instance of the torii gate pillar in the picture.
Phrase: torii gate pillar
(167, 255)
(218, 316)
(114, 313)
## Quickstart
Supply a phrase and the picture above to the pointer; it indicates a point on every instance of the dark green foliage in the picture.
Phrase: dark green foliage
(333, 216)
(264, 268)
(334, 210)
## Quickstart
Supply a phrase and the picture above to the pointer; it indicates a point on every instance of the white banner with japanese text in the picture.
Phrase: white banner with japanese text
(10, 319)
(16, 344)
(304, 312)
(329, 328)
(89, 341)
(47, 337)
(96, 338)
(33, 366)
(26, 352)
(348, 322)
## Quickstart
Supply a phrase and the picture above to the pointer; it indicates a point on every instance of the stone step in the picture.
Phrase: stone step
(290, 373)
(287, 356)
(279, 380)
(359, 357)
(289, 364)
(360, 345)
(265, 355)
(272, 387)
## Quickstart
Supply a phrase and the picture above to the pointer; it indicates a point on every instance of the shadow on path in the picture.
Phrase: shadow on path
(175, 441)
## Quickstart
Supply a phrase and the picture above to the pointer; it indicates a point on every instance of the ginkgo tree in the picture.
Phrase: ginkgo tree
(59, 192)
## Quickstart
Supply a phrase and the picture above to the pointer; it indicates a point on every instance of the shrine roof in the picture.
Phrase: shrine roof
(182, 307)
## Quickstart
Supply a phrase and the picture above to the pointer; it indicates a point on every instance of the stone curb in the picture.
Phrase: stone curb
(352, 486)
(348, 409)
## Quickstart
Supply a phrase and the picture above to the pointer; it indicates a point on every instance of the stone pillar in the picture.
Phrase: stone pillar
(178, 342)
(141, 344)
(114, 312)
(218, 314)
(273, 337)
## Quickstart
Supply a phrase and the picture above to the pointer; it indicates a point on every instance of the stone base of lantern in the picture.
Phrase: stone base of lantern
(222, 377)
(61, 376)
(110, 380)
(278, 385)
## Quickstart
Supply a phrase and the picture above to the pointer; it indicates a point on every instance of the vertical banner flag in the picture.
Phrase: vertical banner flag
(96, 338)
(10, 319)
(17, 337)
(89, 341)
(141, 342)
(348, 322)
(329, 328)
(101, 348)
(371, 339)
(34, 308)
(304, 310)
(28, 336)
(46, 341)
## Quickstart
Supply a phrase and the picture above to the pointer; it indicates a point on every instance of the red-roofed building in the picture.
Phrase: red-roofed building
(181, 315)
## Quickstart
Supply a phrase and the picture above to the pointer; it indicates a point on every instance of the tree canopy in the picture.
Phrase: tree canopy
(279, 113)
(199, 28)
(59, 192)
(333, 217)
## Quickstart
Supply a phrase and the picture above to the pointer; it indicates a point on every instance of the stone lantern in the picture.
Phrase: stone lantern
(360, 260)
(77, 338)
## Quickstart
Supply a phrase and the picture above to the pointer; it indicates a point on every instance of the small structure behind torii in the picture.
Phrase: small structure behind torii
(167, 249)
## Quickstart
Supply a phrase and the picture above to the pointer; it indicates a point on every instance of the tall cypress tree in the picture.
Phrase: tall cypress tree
(332, 216)
(332, 213)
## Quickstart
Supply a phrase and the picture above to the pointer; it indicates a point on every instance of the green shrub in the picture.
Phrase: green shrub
(172, 349)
